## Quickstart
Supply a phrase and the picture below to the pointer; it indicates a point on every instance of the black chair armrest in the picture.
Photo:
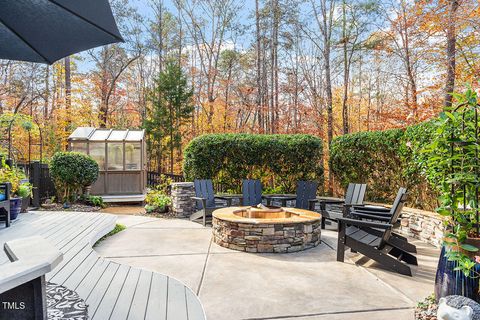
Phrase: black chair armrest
(374, 213)
(362, 223)
(203, 200)
(369, 216)
(376, 209)
(332, 201)
(228, 200)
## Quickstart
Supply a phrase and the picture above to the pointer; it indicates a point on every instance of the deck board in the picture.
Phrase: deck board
(111, 290)
(140, 299)
(124, 299)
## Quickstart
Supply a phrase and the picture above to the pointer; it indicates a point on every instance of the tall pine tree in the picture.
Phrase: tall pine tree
(172, 106)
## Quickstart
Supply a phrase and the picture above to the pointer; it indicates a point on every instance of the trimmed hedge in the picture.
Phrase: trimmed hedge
(71, 171)
(385, 160)
(278, 160)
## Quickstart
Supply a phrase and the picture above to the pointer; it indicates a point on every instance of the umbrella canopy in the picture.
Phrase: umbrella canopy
(48, 30)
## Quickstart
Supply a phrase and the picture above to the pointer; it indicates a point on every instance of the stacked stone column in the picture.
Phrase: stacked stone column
(182, 204)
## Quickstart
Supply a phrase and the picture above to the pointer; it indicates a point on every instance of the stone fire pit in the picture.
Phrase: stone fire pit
(266, 229)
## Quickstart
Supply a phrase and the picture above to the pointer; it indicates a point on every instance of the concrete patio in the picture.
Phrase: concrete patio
(304, 285)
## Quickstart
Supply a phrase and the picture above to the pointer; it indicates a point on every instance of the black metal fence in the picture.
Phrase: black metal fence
(43, 186)
(155, 178)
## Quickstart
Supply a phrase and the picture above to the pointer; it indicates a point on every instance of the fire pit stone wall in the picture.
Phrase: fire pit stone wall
(261, 238)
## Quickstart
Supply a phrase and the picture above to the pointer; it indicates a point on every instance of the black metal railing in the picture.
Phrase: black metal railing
(43, 186)
(156, 178)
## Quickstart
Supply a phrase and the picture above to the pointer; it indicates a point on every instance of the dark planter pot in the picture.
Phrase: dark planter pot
(450, 282)
(25, 203)
(15, 207)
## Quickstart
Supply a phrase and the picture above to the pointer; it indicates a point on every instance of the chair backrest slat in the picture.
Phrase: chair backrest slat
(252, 192)
(355, 193)
(204, 189)
(306, 190)
(396, 211)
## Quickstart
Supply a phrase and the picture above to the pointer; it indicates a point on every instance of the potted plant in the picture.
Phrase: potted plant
(14, 176)
(157, 201)
(25, 192)
(453, 166)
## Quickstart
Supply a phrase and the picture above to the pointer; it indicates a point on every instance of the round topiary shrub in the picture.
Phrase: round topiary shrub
(71, 172)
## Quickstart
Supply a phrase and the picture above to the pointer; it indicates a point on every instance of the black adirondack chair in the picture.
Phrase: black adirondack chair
(206, 200)
(364, 237)
(306, 191)
(5, 203)
(252, 192)
(332, 209)
(380, 214)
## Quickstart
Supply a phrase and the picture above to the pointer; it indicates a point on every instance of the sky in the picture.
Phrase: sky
(144, 9)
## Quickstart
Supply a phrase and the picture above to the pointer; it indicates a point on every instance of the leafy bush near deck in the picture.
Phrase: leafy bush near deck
(385, 160)
(72, 171)
(278, 160)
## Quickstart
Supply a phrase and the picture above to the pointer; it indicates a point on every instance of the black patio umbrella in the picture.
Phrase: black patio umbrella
(47, 30)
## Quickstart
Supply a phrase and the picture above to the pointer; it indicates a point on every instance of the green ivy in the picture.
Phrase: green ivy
(278, 160)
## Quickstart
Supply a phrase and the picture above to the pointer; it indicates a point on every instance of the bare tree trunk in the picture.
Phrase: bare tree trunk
(451, 50)
(68, 88)
(276, 17)
(47, 92)
(346, 69)
(259, 98)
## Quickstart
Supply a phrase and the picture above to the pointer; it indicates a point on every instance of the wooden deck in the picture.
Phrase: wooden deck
(111, 290)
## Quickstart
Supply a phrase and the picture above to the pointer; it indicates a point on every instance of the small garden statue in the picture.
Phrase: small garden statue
(449, 312)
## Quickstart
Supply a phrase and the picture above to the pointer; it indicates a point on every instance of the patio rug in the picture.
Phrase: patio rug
(64, 304)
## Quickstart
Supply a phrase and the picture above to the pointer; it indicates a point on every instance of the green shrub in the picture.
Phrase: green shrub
(96, 201)
(385, 160)
(157, 201)
(278, 160)
(11, 174)
(72, 171)
(25, 190)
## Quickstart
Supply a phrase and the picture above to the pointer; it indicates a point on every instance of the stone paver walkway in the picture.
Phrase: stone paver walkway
(305, 285)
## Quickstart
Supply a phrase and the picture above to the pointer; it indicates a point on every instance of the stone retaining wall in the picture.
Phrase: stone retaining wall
(423, 225)
(278, 238)
(182, 204)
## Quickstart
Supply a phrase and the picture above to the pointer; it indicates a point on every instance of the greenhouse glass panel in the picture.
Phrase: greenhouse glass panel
(81, 133)
(97, 152)
(100, 135)
(135, 135)
(133, 155)
(115, 156)
(79, 147)
(117, 135)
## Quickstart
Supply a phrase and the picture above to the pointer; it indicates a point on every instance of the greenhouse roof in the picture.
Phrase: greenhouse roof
(92, 134)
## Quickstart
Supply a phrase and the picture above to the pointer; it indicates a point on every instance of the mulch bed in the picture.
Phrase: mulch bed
(73, 207)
